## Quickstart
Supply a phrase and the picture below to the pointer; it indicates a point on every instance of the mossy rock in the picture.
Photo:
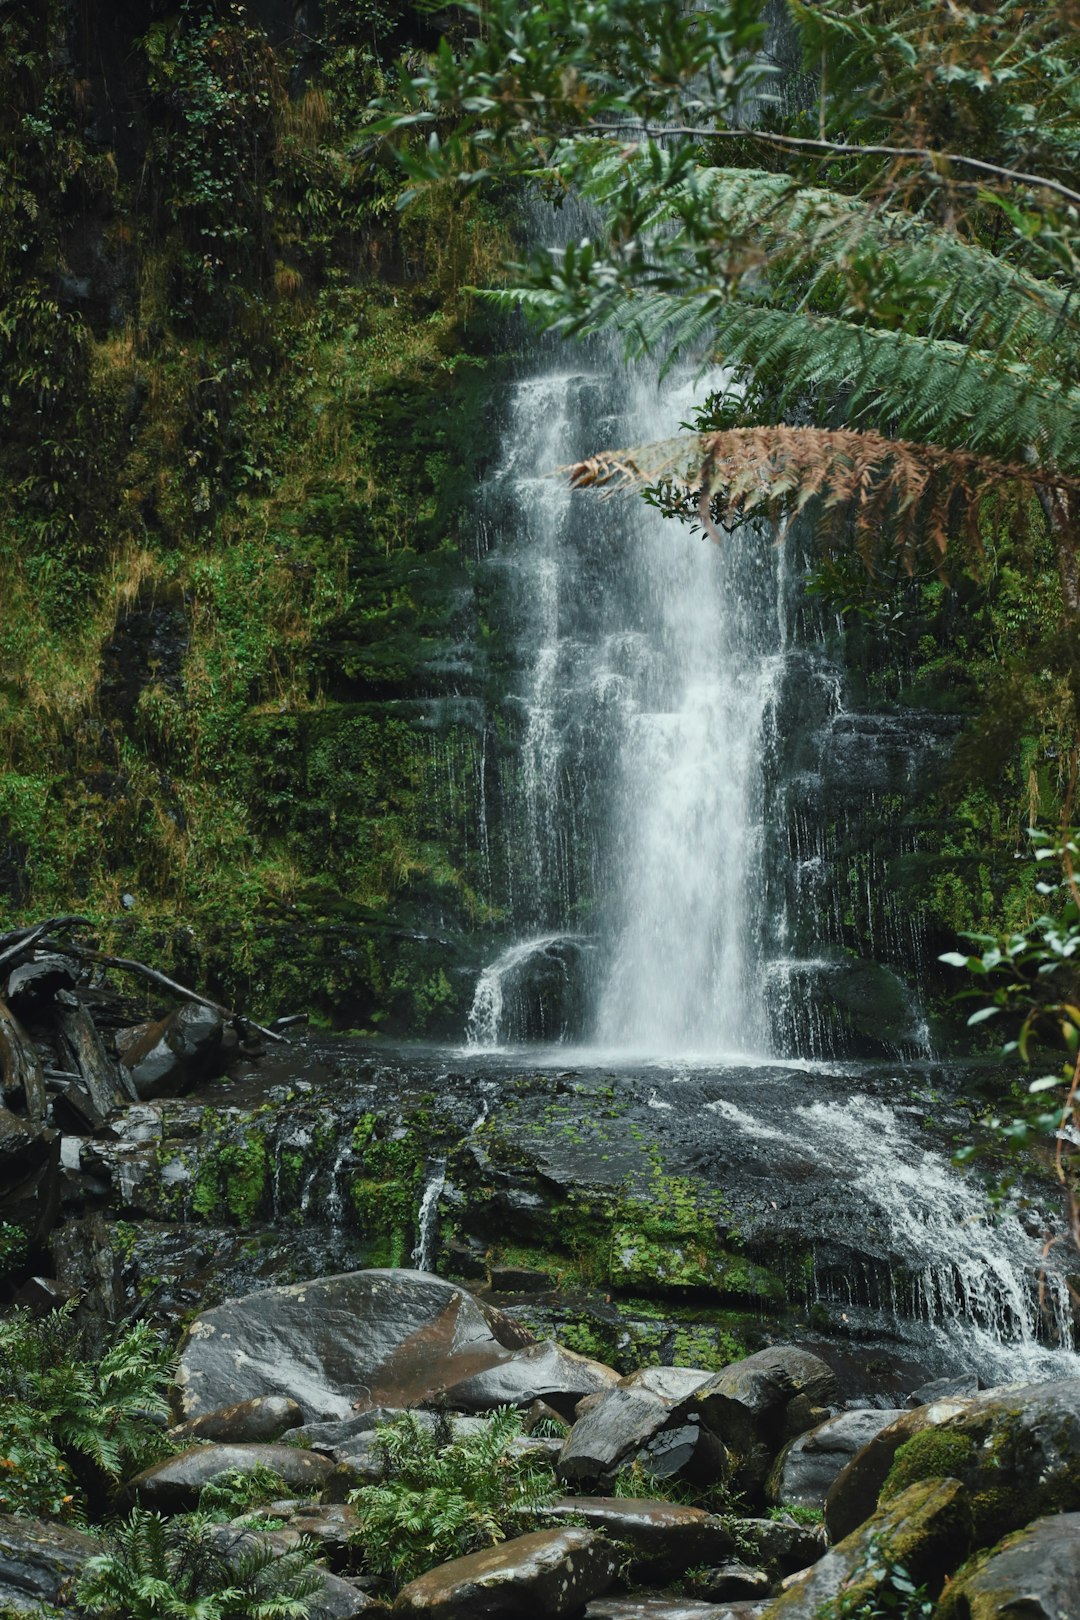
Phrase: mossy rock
(933, 1454)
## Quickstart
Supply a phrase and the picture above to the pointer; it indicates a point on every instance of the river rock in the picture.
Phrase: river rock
(806, 1468)
(266, 1417)
(666, 1539)
(543, 1371)
(734, 1581)
(927, 1529)
(38, 1560)
(853, 1495)
(546, 1575)
(686, 1451)
(610, 1433)
(1017, 1450)
(670, 1608)
(752, 1404)
(670, 1384)
(173, 1486)
(939, 1389)
(783, 1544)
(341, 1344)
(169, 1056)
(1033, 1575)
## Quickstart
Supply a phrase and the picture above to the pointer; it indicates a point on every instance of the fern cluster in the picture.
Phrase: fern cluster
(69, 1418)
(445, 1496)
(188, 1568)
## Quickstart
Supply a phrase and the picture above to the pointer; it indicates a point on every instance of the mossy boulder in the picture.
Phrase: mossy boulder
(926, 1530)
(1017, 1452)
(1035, 1572)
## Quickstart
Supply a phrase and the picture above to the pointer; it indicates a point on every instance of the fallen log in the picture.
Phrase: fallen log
(125, 964)
(25, 939)
(20, 1065)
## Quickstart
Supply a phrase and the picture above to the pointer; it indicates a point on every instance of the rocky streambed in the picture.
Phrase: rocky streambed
(645, 1213)
(959, 1493)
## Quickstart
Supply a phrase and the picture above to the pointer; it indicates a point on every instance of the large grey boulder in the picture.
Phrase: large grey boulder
(665, 1538)
(340, 1344)
(927, 1530)
(611, 1432)
(39, 1561)
(806, 1468)
(173, 1486)
(542, 1371)
(1017, 1450)
(670, 1384)
(1033, 1575)
(548, 1575)
(753, 1405)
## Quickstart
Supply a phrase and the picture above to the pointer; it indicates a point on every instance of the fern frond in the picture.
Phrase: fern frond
(864, 479)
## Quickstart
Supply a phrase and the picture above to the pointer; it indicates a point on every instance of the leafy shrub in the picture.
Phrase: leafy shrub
(71, 1421)
(188, 1568)
(238, 1489)
(443, 1496)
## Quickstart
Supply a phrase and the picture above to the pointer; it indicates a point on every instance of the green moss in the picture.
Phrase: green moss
(931, 1454)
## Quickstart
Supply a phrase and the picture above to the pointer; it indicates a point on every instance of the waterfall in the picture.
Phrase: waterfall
(649, 663)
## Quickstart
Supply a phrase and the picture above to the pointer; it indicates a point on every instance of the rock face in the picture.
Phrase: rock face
(37, 1560)
(546, 1575)
(927, 1530)
(167, 1058)
(1017, 1451)
(267, 1417)
(1034, 1575)
(539, 1372)
(805, 1470)
(365, 1338)
(173, 1486)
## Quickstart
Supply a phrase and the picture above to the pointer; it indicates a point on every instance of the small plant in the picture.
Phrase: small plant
(239, 1489)
(443, 1496)
(801, 1514)
(189, 1568)
(895, 1596)
(72, 1421)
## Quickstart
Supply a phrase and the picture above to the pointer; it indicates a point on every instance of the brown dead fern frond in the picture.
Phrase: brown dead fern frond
(861, 481)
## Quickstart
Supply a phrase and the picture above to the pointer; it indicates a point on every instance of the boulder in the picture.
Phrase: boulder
(266, 1417)
(808, 1465)
(547, 1575)
(671, 1384)
(544, 1372)
(853, 1494)
(1034, 1574)
(1017, 1451)
(940, 1389)
(38, 1561)
(169, 1056)
(665, 1539)
(332, 1526)
(686, 1451)
(610, 1433)
(927, 1530)
(783, 1544)
(173, 1486)
(734, 1581)
(753, 1404)
(342, 1344)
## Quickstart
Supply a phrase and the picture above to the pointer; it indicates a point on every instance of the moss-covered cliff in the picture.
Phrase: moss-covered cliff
(245, 411)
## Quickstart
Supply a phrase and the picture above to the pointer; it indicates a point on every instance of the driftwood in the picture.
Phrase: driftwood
(124, 964)
(25, 939)
(100, 1076)
(20, 1065)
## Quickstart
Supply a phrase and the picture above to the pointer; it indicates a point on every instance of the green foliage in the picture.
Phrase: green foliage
(188, 1568)
(238, 1489)
(72, 1417)
(929, 1455)
(895, 1595)
(444, 1497)
(800, 1514)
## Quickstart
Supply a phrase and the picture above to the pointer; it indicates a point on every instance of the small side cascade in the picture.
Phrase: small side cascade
(427, 1220)
(523, 994)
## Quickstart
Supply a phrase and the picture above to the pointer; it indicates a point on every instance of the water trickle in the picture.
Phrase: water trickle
(427, 1220)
